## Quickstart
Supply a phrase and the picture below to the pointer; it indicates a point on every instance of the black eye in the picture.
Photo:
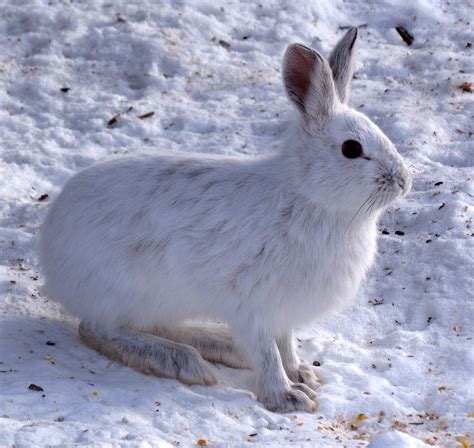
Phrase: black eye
(351, 149)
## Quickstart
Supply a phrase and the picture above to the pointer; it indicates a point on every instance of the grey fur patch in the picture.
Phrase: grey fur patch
(170, 171)
(181, 202)
(209, 185)
(287, 212)
(108, 218)
(198, 172)
(138, 216)
(255, 286)
(144, 247)
(260, 252)
(220, 226)
(235, 276)
(173, 169)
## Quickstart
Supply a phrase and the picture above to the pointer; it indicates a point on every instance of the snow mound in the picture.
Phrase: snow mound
(396, 439)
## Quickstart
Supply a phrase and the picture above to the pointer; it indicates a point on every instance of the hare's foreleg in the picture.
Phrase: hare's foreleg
(149, 354)
(275, 390)
(297, 370)
(214, 343)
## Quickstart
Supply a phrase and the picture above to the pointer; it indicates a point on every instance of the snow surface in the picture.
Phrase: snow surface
(396, 439)
(400, 359)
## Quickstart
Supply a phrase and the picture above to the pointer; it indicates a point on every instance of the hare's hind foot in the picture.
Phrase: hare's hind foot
(295, 397)
(150, 354)
(304, 373)
(213, 342)
(298, 371)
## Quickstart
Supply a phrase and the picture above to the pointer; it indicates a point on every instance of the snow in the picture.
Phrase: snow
(396, 439)
(400, 359)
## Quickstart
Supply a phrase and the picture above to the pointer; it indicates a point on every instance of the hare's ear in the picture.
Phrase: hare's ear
(308, 81)
(341, 61)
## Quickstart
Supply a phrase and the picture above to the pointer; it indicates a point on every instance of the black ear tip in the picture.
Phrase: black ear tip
(353, 36)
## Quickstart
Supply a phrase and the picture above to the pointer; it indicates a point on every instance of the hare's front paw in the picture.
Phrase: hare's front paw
(297, 397)
(304, 373)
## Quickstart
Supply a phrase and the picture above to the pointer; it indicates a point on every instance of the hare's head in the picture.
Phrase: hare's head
(343, 160)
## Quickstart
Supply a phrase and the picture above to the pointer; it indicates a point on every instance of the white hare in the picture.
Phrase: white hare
(138, 247)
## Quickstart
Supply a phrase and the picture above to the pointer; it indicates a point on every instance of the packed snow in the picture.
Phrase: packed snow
(88, 81)
(396, 439)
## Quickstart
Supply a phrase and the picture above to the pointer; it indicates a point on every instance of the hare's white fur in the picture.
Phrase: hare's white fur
(264, 244)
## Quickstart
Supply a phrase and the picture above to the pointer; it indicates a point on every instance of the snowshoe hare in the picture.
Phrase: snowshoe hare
(138, 247)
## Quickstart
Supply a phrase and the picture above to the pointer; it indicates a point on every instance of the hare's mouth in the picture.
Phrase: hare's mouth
(382, 197)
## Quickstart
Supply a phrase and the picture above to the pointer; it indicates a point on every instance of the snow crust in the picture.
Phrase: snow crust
(396, 439)
(400, 359)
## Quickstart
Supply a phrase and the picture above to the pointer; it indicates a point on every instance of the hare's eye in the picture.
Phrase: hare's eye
(351, 149)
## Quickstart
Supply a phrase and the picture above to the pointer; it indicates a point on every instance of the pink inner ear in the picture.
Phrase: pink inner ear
(300, 65)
